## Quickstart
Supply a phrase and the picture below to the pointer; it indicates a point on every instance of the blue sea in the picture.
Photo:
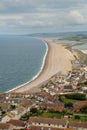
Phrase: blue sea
(21, 59)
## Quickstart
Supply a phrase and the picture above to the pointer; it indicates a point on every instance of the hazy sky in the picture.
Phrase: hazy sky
(27, 16)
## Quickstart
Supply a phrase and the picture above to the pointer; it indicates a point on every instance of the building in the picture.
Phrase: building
(6, 118)
(47, 128)
(57, 106)
(6, 126)
(18, 124)
(78, 125)
(84, 89)
(77, 106)
(48, 122)
(68, 87)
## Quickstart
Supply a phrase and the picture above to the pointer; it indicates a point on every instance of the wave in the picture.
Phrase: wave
(43, 63)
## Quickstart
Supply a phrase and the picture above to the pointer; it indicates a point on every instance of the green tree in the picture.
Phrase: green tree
(34, 110)
(84, 109)
(69, 104)
(62, 98)
(25, 117)
(76, 96)
(12, 107)
(0, 108)
(77, 117)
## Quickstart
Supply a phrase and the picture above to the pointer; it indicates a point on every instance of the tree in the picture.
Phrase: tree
(76, 96)
(63, 112)
(84, 109)
(34, 110)
(68, 104)
(0, 108)
(62, 98)
(25, 117)
(77, 117)
(12, 107)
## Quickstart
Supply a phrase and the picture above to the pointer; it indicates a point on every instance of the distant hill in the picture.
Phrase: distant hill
(80, 33)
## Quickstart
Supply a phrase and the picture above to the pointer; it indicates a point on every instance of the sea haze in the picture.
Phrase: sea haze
(21, 58)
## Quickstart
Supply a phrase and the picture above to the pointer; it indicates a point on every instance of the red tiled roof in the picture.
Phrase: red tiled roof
(78, 124)
(51, 106)
(17, 123)
(78, 105)
(4, 126)
(27, 129)
(47, 120)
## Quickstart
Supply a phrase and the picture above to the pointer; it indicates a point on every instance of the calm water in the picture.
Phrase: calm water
(79, 47)
(21, 59)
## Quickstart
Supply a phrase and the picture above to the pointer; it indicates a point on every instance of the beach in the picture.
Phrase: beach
(58, 59)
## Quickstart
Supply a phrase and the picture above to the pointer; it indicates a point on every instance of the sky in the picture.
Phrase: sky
(35, 16)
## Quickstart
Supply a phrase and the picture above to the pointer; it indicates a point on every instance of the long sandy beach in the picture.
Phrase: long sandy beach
(58, 59)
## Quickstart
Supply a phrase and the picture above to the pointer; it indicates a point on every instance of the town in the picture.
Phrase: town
(60, 104)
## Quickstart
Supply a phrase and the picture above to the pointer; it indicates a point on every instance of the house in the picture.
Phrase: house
(6, 118)
(46, 89)
(17, 124)
(6, 126)
(26, 104)
(59, 106)
(77, 106)
(48, 122)
(85, 74)
(5, 106)
(77, 64)
(84, 89)
(16, 101)
(52, 91)
(78, 125)
(47, 128)
(68, 87)
(18, 112)
(2, 98)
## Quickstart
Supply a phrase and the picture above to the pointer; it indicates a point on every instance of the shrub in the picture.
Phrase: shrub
(76, 96)
(77, 117)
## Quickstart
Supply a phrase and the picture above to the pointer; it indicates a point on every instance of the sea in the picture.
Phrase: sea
(22, 57)
(21, 60)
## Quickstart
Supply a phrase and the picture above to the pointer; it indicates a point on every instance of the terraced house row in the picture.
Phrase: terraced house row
(38, 123)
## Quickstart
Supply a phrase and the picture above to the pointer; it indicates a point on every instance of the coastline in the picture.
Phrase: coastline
(36, 76)
(57, 58)
(84, 51)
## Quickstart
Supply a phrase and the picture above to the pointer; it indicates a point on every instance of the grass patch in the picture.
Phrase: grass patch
(85, 61)
(83, 118)
(50, 115)
(72, 97)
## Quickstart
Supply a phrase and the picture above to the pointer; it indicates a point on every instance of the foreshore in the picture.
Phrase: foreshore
(58, 59)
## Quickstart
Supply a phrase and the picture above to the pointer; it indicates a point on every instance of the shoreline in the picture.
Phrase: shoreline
(37, 75)
(57, 59)
(84, 51)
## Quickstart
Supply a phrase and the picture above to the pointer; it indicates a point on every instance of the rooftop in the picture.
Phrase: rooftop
(78, 124)
(17, 123)
(47, 120)
(4, 126)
